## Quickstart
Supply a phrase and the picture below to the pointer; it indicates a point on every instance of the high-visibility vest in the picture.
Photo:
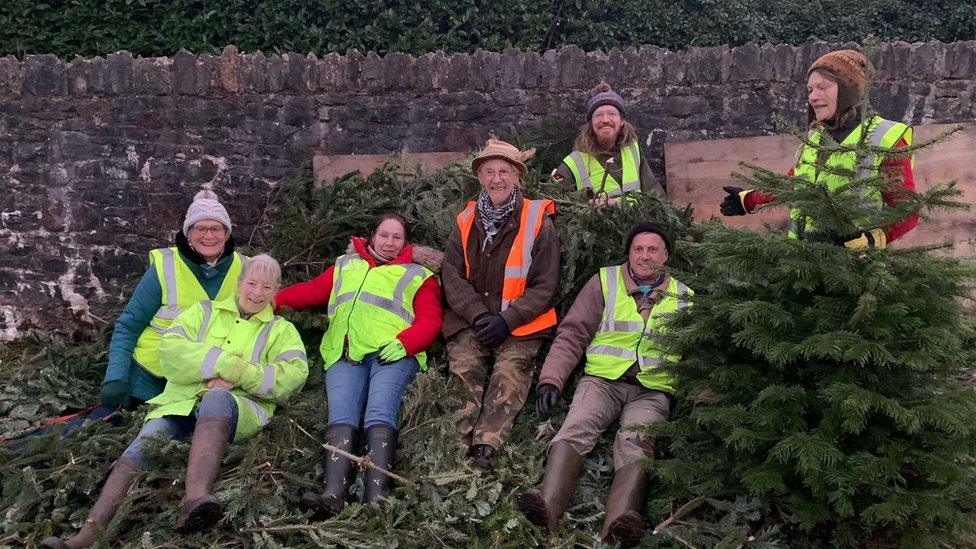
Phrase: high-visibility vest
(369, 306)
(181, 289)
(263, 355)
(534, 213)
(589, 173)
(881, 133)
(624, 337)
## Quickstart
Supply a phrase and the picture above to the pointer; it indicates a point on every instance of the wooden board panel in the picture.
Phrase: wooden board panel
(327, 167)
(697, 170)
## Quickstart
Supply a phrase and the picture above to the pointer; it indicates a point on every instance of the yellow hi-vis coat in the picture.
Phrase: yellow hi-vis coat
(181, 290)
(624, 337)
(589, 173)
(369, 306)
(263, 356)
(875, 132)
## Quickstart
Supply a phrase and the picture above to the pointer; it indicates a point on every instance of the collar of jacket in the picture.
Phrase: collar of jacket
(230, 304)
(358, 244)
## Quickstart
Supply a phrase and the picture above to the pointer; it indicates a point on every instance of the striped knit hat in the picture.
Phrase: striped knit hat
(603, 95)
(849, 67)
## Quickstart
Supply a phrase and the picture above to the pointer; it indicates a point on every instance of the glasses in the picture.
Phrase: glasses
(250, 285)
(490, 174)
(218, 230)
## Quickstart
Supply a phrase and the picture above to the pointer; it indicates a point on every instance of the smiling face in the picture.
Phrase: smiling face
(207, 237)
(255, 290)
(647, 254)
(389, 238)
(822, 95)
(606, 122)
(498, 178)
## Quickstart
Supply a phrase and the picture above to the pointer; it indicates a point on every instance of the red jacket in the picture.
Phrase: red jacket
(894, 168)
(426, 304)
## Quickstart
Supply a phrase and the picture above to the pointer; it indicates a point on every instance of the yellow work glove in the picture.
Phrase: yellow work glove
(392, 351)
(866, 240)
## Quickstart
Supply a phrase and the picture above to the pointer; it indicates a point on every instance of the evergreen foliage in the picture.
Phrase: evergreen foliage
(839, 411)
(162, 27)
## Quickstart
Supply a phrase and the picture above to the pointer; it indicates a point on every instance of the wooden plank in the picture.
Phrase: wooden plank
(327, 167)
(697, 170)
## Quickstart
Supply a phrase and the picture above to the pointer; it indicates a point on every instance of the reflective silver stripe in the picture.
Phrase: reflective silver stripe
(513, 272)
(205, 325)
(413, 271)
(682, 295)
(267, 380)
(339, 300)
(612, 351)
(262, 341)
(339, 264)
(263, 416)
(169, 278)
(610, 300)
(210, 362)
(387, 304)
(876, 134)
(156, 327)
(291, 355)
(627, 186)
(650, 361)
(621, 326)
(168, 313)
(178, 330)
(528, 241)
(584, 173)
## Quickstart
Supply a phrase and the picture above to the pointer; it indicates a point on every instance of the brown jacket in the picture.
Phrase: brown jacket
(577, 330)
(482, 293)
(649, 183)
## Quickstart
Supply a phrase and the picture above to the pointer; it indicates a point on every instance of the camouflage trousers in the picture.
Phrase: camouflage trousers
(493, 399)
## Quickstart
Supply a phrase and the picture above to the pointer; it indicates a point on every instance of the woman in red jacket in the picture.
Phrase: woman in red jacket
(384, 308)
(837, 86)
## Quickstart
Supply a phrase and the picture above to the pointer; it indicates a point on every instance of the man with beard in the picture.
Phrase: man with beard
(606, 161)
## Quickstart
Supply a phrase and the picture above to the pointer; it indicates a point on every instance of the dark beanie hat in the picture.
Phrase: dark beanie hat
(601, 95)
(648, 227)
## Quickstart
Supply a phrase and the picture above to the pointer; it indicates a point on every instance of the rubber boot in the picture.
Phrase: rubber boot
(623, 522)
(116, 487)
(381, 441)
(544, 508)
(201, 509)
(338, 474)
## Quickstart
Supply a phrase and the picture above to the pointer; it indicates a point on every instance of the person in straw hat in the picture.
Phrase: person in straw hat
(500, 275)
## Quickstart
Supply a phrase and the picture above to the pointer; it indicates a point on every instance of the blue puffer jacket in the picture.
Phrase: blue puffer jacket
(139, 311)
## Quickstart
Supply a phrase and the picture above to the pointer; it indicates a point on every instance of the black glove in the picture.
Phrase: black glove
(115, 394)
(491, 330)
(546, 396)
(732, 205)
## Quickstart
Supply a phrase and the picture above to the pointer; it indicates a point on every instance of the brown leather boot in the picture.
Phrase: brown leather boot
(544, 508)
(201, 509)
(116, 487)
(623, 523)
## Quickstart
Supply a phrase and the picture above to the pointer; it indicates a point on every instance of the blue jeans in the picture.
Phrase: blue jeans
(215, 403)
(369, 390)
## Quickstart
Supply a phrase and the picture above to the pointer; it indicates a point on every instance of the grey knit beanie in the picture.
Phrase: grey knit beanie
(206, 206)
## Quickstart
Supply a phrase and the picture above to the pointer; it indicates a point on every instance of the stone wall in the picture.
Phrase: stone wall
(99, 157)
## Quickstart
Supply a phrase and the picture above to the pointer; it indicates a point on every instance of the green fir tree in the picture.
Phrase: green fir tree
(838, 417)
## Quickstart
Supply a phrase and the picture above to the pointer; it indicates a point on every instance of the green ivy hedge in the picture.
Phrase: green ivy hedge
(162, 27)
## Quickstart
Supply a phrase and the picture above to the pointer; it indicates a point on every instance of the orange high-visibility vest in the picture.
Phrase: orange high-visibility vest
(519, 260)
